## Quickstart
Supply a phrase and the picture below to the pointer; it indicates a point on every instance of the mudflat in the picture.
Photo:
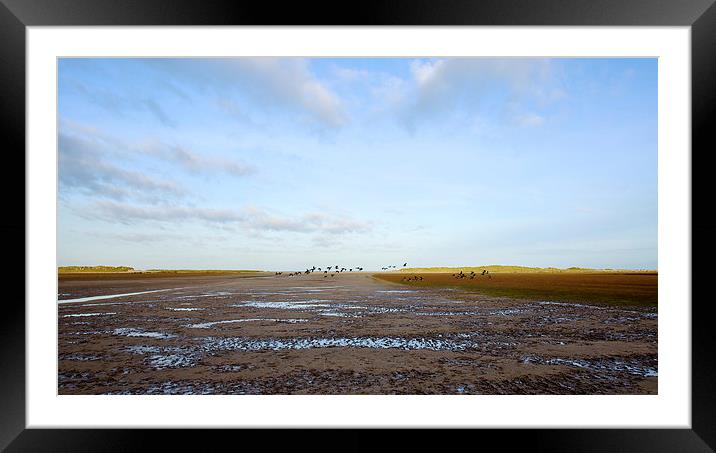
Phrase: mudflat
(75, 285)
(348, 334)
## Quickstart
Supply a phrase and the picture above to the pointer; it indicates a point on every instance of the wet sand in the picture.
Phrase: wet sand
(350, 334)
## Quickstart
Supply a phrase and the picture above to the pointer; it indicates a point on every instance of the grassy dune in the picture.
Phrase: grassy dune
(200, 271)
(493, 268)
(93, 269)
(613, 288)
(109, 273)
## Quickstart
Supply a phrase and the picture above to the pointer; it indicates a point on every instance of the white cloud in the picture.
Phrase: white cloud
(270, 83)
(322, 102)
(443, 86)
(80, 143)
(84, 167)
(425, 71)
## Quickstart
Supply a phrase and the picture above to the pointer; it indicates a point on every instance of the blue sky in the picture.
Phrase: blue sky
(283, 163)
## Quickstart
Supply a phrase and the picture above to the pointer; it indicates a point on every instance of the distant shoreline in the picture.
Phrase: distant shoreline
(494, 268)
(131, 270)
(153, 274)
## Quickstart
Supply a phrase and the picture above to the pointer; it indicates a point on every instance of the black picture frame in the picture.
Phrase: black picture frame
(700, 15)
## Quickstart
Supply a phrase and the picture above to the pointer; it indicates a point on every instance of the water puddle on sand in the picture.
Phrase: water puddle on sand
(171, 361)
(230, 368)
(177, 388)
(107, 303)
(383, 310)
(397, 291)
(296, 305)
(132, 332)
(565, 304)
(81, 357)
(607, 364)
(217, 293)
(340, 314)
(111, 296)
(322, 309)
(165, 357)
(143, 349)
(310, 288)
(506, 312)
(76, 315)
(448, 313)
(206, 325)
(275, 344)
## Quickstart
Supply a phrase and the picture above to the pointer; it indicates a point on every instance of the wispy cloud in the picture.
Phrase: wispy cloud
(158, 112)
(529, 119)
(443, 86)
(314, 222)
(136, 237)
(120, 105)
(252, 218)
(83, 167)
(192, 161)
(124, 213)
(84, 147)
(453, 76)
(336, 225)
(273, 83)
(350, 74)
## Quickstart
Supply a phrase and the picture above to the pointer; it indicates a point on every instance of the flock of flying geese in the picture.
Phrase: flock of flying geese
(331, 271)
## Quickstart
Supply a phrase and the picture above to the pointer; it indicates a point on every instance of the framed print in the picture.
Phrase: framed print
(415, 216)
